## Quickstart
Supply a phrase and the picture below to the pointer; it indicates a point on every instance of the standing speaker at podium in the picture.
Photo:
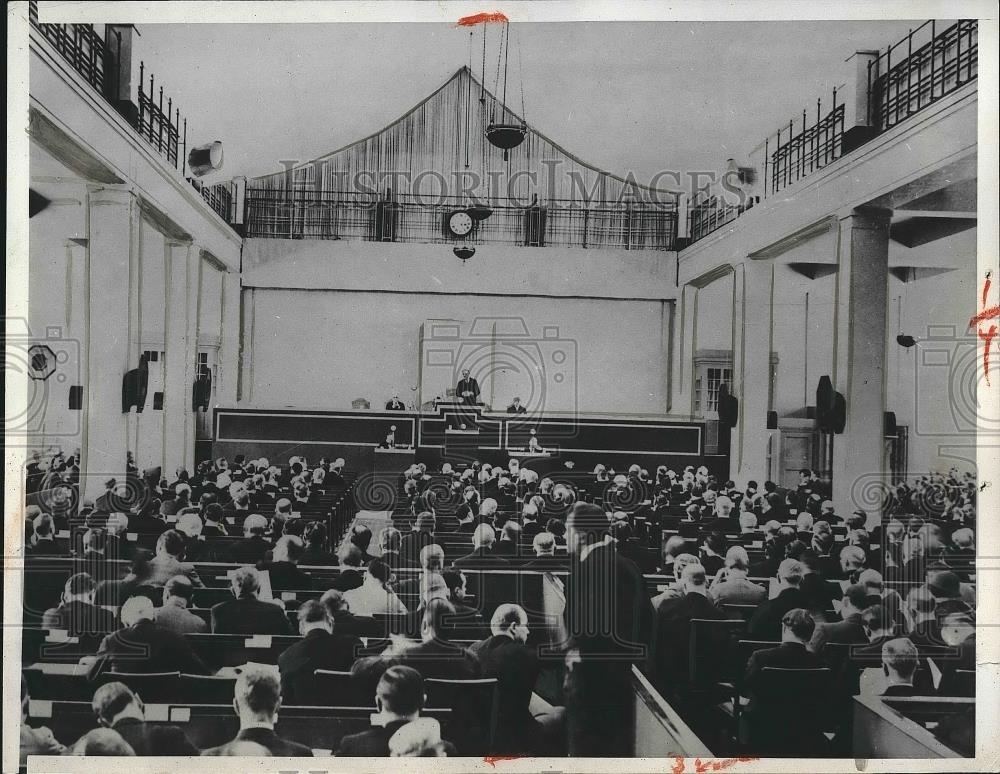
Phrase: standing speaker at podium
(467, 389)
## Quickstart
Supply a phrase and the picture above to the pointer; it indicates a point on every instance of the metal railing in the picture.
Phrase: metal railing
(352, 215)
(946, 61)
(221, 197)
(156, 125)
(711, 215)
(79, 44)
(799, 155)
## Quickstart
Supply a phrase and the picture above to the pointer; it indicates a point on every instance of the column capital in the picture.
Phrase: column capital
(112, 195)
(866, 218)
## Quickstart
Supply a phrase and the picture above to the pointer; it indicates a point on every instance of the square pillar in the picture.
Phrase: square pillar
(113, 215)
(682, 368)
(228, 366)
(183, 268)
(859, 359)
(753, 312)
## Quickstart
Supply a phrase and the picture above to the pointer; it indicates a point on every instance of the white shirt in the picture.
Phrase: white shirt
(372, 599)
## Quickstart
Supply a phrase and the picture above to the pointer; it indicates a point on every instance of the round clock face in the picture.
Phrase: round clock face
(460, 223)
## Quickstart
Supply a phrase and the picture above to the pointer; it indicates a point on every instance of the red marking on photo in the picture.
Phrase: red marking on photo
(482, 18)
(988, 313)
(722, 764)
(492, 759)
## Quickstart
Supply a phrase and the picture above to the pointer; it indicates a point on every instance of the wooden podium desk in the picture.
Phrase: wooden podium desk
(393, 459)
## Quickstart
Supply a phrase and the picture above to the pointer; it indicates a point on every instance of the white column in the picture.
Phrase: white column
(682, 369)
(753, 310)
(228, 366)
(107, 337)
(183, 267)
(859, 357)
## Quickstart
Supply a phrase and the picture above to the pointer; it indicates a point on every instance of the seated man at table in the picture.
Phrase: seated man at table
(516, 408)
(399, 697)
(766, 622)
(174, 614)
(256, 701)
(143, 647)
(483, 540)
(899, 660)
(283, 569)
(77, 614)
(321, 648)
(797, 627)
(118, 708)
(246, 614)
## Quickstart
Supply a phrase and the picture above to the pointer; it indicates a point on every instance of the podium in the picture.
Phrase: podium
(393, 460)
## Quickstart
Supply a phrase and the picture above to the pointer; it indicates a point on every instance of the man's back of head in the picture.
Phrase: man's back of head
(179, 589)
(257, 695)
(400, 692)
(114, 699)
(245, 582)
(586, 524)
(790, 571)
(288, 548)
(484, 536)
(900, 658)
(432, 557)
(544, 544)
(797, 626)
(694, 580)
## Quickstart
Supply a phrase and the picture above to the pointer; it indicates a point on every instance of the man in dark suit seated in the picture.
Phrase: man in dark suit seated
(766, 621)
(361, 536)
(959, 631)
(421, 535)
(899, 661)
(254, 546)
(431, 562)
(316, 554)
(44, 540)
(283, 569)
(344, 621)
(673, 625)
(522, 717)
(351, 575)
(395, 404)
(77, 614)
(530, 525)
(399, 697)
(257, 701)
(118, 708)
(214, 522)
(850, 627)
(819, 591)
(435, 656)
(510, 537)
(482, 555)
(516, 407)
(924, 630)
(545, 559)
(246, 614)
(797, 627)
(322, 647)
(144, 647)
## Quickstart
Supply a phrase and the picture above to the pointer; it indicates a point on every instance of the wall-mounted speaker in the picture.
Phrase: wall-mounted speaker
(76, 397)
(205, 158)
(891, 429)
(157, 401)
(772, 420)
(729, 407)
(134, 385)
(201, 392)
(831, 407)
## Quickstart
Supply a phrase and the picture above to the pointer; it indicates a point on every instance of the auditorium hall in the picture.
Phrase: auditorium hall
(498, 388)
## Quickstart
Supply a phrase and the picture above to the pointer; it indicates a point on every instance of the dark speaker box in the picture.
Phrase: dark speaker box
(772, 420)
(76, 397)
(157, 401)
(891, 428)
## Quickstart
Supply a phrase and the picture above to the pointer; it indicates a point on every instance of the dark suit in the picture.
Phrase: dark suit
(149, 739)
(346, 623)
(395, 405)
(349, 578)
(279, 748)
(436, 658)
(250, 550)
(78, 618)
(673, 633)
(609, 620)
(819, 592)
(46, 548)
(248, 615)
(318, 650)
(516, 669)
(848, 630)
(145, 647)
(395, 560)
(530, 529)
(374, 743)
(317, 557)
(467, 385)
(519, 409)
(766, 622)
(481, 558)
(788, 655)
(285, 576)
(412, 543)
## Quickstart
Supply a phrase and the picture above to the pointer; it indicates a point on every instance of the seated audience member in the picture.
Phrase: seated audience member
(878, 594)
(76, 613)
(958, 630)
(850, 627)
(180, 501)
(921, 612)
(238, 509)
(93, 558)
(246, 614)
(190, 526)
(675, 589)
(521, 715)
(482, 554)
(283, 569)
(899, 660)
(731, 585)
(820, 593)
(102, 742)
(544, 546)
(214, 522)
(173, 614)
(351, 575)
(399, 697)
(375, 596)
(43, 542)
(673, 548)
(456, 582)
(283, 512)
(827, 562)
(254, 546)
(947, 590)
(361, 536)
(315, 553)
(748, 522)
(390, 540)
(797, 628)
(879, 629)
(557, 528)
(431, 585)
(962, 555)
(510, 536)
(116, 707)
(530, 526)
(431, 561)
(420, 738)
(167, 562)
(421, 535)
(465, 514)
(321, 648)
(434, 656)
(35, 741)
(344, 621)
(142, 646)
(673, 624)
(774, 553)
(766, 622)
(487, 512)
(711, 554)
(852, 563)
(257, 701)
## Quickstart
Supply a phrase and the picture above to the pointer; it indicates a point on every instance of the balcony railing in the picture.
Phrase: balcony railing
(282, 214)
(79, 44)
(221, 197)
(913, 73)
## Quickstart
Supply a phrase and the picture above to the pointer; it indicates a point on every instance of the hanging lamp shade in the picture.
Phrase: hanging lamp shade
(464, 252)
(506, 136)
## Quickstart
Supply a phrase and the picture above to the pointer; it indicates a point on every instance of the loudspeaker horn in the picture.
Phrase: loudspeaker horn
(205, 158)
